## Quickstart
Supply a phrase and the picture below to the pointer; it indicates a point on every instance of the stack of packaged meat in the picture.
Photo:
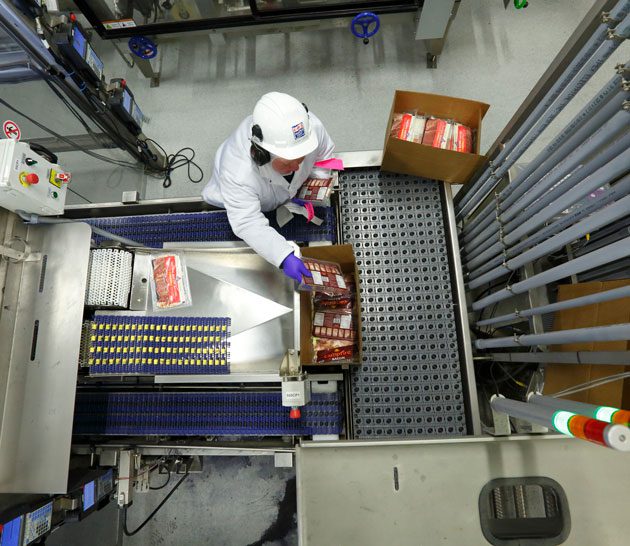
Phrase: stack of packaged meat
(432, 131)
(326, 277)
(334, 325)
(317, 191)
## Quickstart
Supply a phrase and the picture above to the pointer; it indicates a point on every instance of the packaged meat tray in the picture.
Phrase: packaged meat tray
(327, 277)
(317, 191)
(169, 282)
(334, 324)
(332, 350)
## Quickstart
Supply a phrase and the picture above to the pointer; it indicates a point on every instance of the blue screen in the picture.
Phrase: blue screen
(11, 532)
(127, 101)
(95, 63)
(88, 495)
(78, 41)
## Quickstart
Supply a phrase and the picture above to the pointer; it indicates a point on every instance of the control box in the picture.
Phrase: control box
(29, 182)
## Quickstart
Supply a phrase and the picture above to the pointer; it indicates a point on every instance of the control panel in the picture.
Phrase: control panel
(37, 523)
(29, 182)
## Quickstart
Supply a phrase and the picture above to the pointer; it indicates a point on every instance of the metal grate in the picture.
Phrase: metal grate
(153, 230)
(409, 384)
(203, 413)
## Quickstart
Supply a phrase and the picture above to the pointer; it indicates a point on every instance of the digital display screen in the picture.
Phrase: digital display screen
(137, 115)
(127, 101)
(78, 41)
(89, 490)
(11, 532)
(93, 61)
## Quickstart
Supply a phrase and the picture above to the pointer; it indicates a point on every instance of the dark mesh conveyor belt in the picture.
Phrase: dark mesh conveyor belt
(409, 384)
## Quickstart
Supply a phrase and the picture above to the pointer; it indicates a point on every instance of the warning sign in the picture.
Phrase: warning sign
(11, 130)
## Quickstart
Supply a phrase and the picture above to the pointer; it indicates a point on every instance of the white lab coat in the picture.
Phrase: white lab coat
(246, 190)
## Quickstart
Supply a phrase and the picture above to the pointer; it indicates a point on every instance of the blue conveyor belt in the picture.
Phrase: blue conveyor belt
(153, 230)
(202, 413)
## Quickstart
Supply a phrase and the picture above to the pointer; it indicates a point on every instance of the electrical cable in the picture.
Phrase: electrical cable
(177, 160)
(162, 503)
(78, 194)
(590, 384)
(168, 479)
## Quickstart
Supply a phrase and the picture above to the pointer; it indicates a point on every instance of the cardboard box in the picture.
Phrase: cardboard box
(344, 256)
(560, 376)
(400, 156)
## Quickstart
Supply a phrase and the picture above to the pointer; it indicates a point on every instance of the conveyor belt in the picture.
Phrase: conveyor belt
(202, 413)
(158, 345)
(153, 230)
(409, 383)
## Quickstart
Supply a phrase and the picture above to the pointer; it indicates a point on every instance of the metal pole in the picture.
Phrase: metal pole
(566, 422)
(602, 413)
(615, 332)
(616, 191)
(566, 357)
(594, 114)
(599, 297)
(600, 219)
(617, 167)
(516, 214)
(581, 67)
(605, 255)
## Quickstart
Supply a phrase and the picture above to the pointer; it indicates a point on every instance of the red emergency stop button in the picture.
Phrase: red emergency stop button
(295, 413)
(31, 178)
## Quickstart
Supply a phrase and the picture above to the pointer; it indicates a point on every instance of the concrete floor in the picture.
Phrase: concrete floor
(235, 501)
(493, 55)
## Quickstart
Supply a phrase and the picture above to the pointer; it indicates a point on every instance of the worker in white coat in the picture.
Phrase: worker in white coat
(261, 166)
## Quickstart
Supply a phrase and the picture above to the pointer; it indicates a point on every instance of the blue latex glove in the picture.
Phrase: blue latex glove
(298, 201)
(294, 268)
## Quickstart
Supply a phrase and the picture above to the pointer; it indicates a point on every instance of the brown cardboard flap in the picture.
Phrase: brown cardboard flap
(420, 160)
(344, 256)
(559, 377)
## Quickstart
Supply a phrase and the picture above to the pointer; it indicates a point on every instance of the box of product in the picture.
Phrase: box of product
(442, 116)
(562, 376)
(331, 351)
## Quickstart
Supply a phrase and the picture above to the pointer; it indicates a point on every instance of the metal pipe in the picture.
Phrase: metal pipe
(614, 192)
(607, 215)
(614, 332)
(515, 214)
(594, 114)
(577, 66)
(571, 424)
(602, 413)
(588, 146)
(566, 357)
(599, 297)
(35, 219)
(605, 255)
(612, 170)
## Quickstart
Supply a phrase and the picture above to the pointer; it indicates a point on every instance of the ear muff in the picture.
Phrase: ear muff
(259, 155)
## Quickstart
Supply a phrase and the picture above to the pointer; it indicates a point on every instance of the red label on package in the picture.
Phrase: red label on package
(338, 353)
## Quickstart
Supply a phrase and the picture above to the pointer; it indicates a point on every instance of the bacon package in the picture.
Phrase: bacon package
(334, 324)
(317, 191)
(327, 277)
(169, 282)
(332, 350)
(432, 131)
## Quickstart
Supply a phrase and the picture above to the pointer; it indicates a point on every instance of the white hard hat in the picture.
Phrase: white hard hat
(285, 129)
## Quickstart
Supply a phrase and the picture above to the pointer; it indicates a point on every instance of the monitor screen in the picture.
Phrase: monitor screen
(93, 61)
(11, 532)
(127, 101)
(88, 495)
(137, 114)
(78, 41)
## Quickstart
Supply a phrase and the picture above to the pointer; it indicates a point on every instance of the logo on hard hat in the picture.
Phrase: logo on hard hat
(298, 131)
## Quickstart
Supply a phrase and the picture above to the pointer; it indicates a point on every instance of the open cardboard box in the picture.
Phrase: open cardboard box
(344, 256)
(400, 156)
(562, 376)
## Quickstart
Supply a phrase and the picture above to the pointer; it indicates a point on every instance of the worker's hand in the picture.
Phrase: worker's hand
(307, 205)
(294, 268)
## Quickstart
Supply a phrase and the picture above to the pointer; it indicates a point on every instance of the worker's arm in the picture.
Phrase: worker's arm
(325, 148)
(250, 224)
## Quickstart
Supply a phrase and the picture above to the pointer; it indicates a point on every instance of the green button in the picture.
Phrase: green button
(55, 194)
